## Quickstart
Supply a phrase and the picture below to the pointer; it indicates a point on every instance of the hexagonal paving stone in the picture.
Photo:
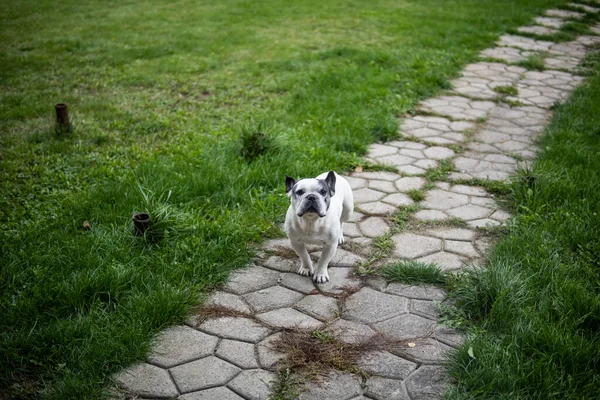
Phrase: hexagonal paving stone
(470, 212)
(409, 183)
(356, 183)
(377, 175)
(282, 264)
(524, 43)
(406, 326)
(450, 336)
(425, 309)
(457, 107)
(422, 292)
(253, 384)
(368, 305)
(251, 279)
(431, 215)
(462, 248)
(443, 200)
(202, 374)
(297, 282)
(227, 300)
(335, 386)
(444, 260)
(288, 318)
(383, 186)
(373, 226)
(178, 344)
(563, 14)
(537, 30)
(584, 7)
(342, 258)
(408, 245)
(436, 130)
(146, 380)
(398, 200)
(480, 79)
(550, 22)
(387, 365)
(243, 329)
(385, 389)
(377, 208)
(221, 393)
(324, 308)
(268, 356)
(367, 195)
(350, 332)
(341, 279)
(272, 297)
(240, 354)
(428, 382)
(426, 351)
(507, 54)
(452, 233)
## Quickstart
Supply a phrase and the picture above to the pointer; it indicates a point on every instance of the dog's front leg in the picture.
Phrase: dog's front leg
(326, 255)
(306, 266)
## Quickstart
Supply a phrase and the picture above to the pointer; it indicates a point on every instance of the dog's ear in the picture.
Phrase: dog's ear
(289, 185)
(330, 181)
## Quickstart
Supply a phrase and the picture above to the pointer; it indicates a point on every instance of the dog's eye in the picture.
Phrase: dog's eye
(299, 192)
(323, 192)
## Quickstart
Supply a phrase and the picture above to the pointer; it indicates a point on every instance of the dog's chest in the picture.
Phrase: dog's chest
(316, 233)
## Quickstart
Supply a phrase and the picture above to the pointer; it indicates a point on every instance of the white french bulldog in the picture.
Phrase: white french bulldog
(319, 207)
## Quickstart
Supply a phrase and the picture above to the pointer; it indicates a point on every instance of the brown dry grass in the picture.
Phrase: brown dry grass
(313, 354)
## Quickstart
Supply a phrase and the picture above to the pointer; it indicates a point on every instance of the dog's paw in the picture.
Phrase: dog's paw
(341, 239)
(321, 277)
(305, 271)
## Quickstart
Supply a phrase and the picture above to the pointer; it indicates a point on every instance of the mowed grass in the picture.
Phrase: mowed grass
(534, 312)
(161, 94)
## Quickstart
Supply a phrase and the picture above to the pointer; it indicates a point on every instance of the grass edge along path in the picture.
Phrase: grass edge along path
(533, 314)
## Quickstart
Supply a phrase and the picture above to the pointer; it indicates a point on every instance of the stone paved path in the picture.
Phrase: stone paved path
(490, 120)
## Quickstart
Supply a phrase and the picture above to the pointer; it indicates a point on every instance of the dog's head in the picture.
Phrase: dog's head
(311, 197)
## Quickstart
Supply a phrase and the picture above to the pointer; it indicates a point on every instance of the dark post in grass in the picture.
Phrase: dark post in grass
(140, 223)
(62, 118)
(62, 114)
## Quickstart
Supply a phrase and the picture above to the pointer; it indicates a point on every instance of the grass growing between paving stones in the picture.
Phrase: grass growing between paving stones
(533, 313)
(171, 96)
(533, 62)
(413, 272)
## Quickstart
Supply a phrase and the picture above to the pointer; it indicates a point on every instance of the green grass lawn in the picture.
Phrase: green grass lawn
(161, 94)
(533, 315)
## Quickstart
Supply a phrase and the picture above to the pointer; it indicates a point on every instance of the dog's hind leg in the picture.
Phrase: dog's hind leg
(306, 266)
(341, 238)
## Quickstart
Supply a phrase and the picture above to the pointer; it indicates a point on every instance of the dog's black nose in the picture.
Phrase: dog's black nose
(311, 197)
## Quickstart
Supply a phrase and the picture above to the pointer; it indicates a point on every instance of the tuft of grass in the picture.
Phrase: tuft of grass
(533, 314)
(254, 144)
(401, 218)
(412, 272)
(533, 63)
(440, 173)
(506, 90)
(286, 386)
(416, 195)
